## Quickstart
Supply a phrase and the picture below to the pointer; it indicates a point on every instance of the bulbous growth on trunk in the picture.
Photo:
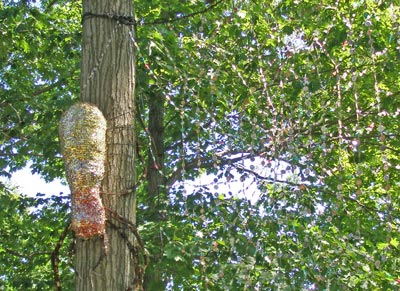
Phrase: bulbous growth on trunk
(82, 135)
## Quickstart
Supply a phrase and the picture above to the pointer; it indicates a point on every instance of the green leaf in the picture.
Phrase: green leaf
(394, 242)
(382, 246)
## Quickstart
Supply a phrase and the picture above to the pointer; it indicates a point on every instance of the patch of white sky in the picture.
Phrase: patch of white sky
(239, 185)
(242, 184)
(26, 183)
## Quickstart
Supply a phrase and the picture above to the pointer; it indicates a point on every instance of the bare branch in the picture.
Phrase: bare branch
(55, 260)
(27, 256)
(260, 177)
(46, 88)
(175, 19)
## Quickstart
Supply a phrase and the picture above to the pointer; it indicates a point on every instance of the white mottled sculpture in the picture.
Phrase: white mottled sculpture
(82, 135)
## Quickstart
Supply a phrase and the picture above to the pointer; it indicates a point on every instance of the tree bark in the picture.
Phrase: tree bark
(156, 191)
(108, 81)
(155, 161)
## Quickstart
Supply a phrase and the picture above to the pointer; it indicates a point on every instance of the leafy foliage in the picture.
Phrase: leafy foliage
(40, 55)
(30, 230)
(304, 91)
(295, 102)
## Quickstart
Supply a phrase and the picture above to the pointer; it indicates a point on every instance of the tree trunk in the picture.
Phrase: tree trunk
(155, 161)
(108, 81)
(156, 191)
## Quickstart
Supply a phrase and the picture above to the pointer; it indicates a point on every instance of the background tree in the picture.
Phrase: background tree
(293, 106)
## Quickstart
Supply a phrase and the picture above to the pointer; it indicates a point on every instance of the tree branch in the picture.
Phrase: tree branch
(50, 5)
(28, 256)
(175, 19)
(260, 177)
(46, 88)
(55, 260)
(222, 159)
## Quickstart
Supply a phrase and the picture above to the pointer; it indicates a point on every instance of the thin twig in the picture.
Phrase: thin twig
(139, 268)
(175, 19)
(28, 256)
(55, 260)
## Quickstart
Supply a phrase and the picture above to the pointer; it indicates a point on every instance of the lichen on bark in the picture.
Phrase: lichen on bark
(82, 133)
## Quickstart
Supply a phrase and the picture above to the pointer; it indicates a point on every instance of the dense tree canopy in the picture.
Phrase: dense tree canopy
(291, 107)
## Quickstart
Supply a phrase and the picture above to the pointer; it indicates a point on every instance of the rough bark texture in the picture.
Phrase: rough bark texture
(155, 181)
(155, 162)
(107, 80)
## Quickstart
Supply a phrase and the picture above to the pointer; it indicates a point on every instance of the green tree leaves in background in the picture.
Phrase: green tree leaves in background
(297, 99)
(30, 229)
